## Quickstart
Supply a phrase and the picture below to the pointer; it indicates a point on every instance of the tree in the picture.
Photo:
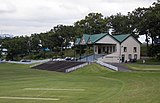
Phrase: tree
(94, 23)
(17, 47)
(120, 24)
(65, 34)
(34, 42)
(147, 22)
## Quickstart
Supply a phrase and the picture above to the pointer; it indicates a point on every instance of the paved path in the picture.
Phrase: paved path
(121, 67)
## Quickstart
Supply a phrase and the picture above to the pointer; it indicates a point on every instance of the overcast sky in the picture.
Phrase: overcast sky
(24, 17)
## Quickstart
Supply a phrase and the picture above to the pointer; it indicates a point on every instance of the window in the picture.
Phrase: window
(107, 49)
(104, 49)
(129, 56)
(110, 49)
(125, 49)
(135, 56)
(114, 48)
(134, 49)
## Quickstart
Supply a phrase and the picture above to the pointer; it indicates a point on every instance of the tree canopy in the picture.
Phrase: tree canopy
(93, 23)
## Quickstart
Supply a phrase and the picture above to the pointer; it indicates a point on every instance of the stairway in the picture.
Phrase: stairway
(91, 58)
(110, 58)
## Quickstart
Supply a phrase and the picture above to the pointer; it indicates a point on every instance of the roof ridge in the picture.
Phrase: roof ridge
(121, 37)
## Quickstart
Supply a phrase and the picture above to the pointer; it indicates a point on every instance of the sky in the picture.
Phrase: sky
(25, 17)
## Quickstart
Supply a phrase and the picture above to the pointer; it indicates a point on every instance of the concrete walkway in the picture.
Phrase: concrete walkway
(121, 67)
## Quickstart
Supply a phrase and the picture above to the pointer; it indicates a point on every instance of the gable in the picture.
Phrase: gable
(131, 41)
(107, 40)
(89, 41)
(82, 41)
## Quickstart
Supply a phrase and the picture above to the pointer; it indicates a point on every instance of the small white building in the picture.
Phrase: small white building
(116, 49)
(4, 51)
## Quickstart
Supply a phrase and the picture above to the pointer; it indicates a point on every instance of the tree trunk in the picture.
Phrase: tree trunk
(147, 44)
(153, 50)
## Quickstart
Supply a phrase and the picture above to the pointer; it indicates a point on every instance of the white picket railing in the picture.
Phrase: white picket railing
(107, 65)
(76, 67)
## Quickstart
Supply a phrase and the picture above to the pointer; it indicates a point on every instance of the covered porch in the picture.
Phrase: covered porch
(104, 48)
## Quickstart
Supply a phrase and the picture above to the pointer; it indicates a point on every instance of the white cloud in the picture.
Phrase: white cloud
(33, 16)
(7, 7)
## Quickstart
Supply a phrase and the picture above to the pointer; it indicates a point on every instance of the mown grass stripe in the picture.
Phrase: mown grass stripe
(54, 89)
(30, 98)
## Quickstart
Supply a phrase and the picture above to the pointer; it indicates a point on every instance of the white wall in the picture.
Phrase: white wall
(130, 43)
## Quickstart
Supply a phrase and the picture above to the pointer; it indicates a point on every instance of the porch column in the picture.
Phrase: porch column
(95, 49)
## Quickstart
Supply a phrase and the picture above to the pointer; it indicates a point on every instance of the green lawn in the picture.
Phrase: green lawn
(92, 84)
(143, 67)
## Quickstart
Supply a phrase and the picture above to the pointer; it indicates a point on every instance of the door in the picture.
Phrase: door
(99, 50)
(130, 57)
(123, 58)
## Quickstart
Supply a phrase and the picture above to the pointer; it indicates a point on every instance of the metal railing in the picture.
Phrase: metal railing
(107, 65)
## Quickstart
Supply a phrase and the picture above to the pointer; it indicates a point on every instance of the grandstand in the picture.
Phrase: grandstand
(60, 66)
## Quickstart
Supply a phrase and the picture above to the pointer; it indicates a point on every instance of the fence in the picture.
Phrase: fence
(107, 65)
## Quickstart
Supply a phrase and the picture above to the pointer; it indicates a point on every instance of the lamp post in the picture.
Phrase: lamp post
(29, 47)
(74, 48)
(120, 56)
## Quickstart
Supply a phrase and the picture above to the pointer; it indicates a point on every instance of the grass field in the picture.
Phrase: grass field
(143, 67)
(92, 84)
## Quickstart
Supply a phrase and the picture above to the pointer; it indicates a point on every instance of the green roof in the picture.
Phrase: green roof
(95, 37)
(77, 41)
(86, 37)
(121, 37)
